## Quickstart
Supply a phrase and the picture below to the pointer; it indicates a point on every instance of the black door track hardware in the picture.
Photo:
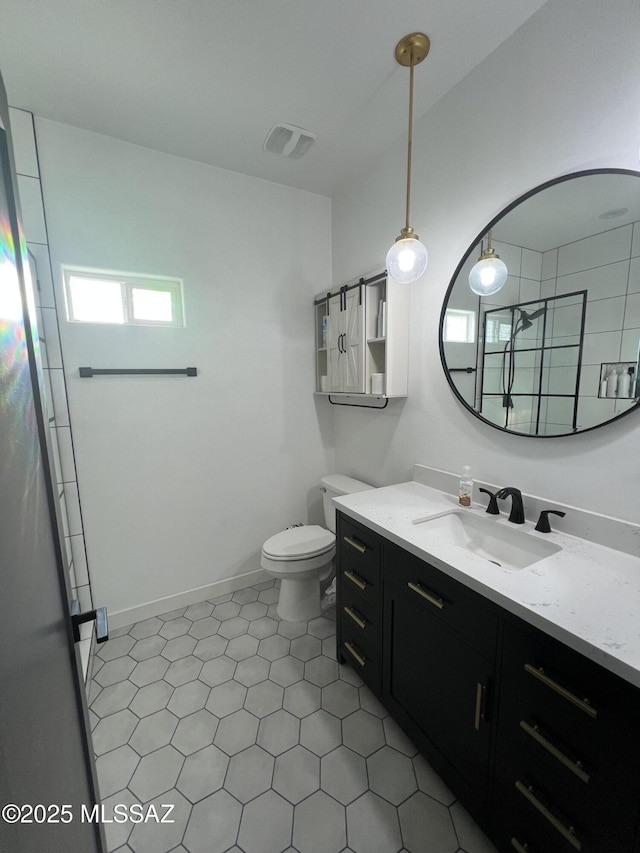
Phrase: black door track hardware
(100, 617)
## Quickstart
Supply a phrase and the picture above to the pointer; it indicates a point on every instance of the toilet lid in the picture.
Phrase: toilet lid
(299, 543)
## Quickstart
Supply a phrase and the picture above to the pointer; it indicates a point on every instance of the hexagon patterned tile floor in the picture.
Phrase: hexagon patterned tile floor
(260, 740)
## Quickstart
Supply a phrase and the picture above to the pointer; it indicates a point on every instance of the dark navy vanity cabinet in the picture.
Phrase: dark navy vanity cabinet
(541, 744)
(567, 769)
(359, 600)
(438, 669)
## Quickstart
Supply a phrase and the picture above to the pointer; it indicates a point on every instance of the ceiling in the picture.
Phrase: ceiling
(207, 79)
(572, 210)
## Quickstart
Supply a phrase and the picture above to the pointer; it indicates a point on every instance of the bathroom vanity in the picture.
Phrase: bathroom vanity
(519, 683)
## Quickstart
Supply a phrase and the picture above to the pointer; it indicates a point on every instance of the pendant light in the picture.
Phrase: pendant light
(407, 259)
(489, 275)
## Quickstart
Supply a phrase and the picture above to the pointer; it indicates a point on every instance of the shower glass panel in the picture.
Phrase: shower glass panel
(530, 364)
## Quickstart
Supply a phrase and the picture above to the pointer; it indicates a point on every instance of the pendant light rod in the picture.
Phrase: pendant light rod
(410, 51)
(409, 141)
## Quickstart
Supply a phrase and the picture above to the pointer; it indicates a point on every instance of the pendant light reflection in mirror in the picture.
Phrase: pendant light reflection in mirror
(489, 275)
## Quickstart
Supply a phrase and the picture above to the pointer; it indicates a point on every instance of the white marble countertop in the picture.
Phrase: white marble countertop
(586, 595)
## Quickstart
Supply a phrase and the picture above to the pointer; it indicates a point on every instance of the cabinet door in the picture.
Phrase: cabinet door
(335, 343)
(442, 684)
(354, 342)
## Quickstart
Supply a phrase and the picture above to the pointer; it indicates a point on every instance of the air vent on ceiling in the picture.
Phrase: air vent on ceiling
(286, 140)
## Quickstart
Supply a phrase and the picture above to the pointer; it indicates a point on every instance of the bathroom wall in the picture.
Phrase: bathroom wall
(181, 479)
(560, 95)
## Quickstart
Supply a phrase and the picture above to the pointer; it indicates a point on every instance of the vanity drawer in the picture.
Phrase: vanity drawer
(359, 553)
(584, 797)
(573, 728)
(531, 821)
(360, 621)
(463, 610)
(364, 657)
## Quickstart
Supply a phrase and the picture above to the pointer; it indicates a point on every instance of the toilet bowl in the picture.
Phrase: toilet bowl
(302, 557)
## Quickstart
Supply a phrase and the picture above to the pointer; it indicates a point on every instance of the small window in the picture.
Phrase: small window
(498, 329)
(459, 326)
(102, 296)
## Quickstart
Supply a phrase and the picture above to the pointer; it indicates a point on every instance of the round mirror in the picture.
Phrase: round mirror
(555, 350)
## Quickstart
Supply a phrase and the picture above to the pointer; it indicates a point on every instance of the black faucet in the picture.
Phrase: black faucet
(492, 506)
(543, 522)
(517, 510)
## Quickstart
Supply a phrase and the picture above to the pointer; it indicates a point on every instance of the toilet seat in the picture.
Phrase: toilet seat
(299, 543)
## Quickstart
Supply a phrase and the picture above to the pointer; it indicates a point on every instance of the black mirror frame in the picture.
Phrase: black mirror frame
(553, 182)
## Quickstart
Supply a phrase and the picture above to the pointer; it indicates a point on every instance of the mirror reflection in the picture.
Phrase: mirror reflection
(555, 350)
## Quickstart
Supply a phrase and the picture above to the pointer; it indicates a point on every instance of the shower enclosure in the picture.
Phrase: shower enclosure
(531, 353)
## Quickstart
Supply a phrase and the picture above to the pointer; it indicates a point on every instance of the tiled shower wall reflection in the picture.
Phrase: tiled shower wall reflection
(33, 221)
(607, 267)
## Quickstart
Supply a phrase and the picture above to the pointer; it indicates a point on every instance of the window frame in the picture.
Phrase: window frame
(128, 282)
(471, 323)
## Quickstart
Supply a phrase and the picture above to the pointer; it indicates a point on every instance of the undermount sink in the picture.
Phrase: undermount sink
(507, 547)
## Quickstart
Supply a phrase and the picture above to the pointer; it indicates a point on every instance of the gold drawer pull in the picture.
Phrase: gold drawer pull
(437, 602)
(575, 766)
(355, 544)
(360, 622)
(519, 848)
(583, 704)
(481, 692)
(567, 832)
(355, 654)
(356, 580)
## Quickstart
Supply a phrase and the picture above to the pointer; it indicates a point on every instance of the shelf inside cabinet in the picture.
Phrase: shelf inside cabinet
(376, 340)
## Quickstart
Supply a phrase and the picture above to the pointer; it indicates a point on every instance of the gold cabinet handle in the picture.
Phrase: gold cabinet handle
(584, 704)
(567, 832)
(356, 580)
(360, 622)
(355, 654)
(432, 599)
(481, 692)
(519, 848)
(575, 766)
(355, 544)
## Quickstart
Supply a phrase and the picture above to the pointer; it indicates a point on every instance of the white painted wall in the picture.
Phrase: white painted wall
(182, 479)
(560, 95)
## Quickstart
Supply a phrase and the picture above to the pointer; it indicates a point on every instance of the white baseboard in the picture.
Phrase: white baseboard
(121, 618)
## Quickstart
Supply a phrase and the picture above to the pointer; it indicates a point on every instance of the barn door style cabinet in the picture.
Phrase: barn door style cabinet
(540, 743)
(361, 333)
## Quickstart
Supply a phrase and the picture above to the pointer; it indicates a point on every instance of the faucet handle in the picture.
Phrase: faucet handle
(492, 507)
(543, 525)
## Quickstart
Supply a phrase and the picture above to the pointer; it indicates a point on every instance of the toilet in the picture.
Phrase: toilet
(302, 557)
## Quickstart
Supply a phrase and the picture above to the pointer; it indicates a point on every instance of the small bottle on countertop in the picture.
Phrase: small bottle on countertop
(465, 489)
(612, 382)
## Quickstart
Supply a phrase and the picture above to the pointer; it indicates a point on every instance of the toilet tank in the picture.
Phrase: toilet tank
(333, 486)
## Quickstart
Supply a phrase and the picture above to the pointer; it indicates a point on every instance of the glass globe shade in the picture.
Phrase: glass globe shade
(407, 260)
(488, 276)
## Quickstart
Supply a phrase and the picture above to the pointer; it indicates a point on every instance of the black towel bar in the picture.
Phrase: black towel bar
(88, 372)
